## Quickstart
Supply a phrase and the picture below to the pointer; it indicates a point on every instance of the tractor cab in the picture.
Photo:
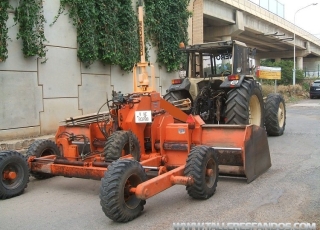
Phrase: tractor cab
(218, 59)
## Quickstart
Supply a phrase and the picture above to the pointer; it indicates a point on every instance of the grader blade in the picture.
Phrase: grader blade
(243, 151)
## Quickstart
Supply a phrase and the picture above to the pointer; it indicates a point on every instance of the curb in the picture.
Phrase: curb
(22, 145)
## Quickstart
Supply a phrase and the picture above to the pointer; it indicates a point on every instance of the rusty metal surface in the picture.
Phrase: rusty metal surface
(228, 157)
(78, 171)
(158, 184)
(257, 154)
(175, 146)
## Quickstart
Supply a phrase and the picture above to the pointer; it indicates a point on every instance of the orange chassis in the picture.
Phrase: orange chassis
(241, 149)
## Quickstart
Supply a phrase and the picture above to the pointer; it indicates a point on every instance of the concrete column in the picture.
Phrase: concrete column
(299, 63)
(277, 59)
(257, 61)
(190, 23)
(197, 24)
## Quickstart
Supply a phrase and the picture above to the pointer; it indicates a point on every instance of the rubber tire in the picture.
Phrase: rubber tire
(179, 95)
(19, 163)
(118, 141)
(237, 111)
(197, 161)
(40, 148)
(272, 107)
(113, 183)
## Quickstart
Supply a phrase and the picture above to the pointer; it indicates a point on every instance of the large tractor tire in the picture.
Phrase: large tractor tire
(41, 148)
(275, 120)
(14, 173)
(121, 143)
(117, 202)
(202, 166)
(179, 95)
(245, 104)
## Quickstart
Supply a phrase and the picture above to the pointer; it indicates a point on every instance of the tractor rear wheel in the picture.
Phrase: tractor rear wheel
(275, 121)
(117, 201)
(245, 104)
(14, 173)
(202, 166)
(121, 143)
(41, 148)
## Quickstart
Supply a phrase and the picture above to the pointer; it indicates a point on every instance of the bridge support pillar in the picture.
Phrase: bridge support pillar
(197, 24)
(299, 63)
(257, 61)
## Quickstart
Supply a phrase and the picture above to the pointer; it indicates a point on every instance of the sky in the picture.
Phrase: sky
(307, 19)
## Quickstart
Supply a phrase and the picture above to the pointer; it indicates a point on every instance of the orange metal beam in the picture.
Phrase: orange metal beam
(160, 183)
(173, 111)
(86, 172)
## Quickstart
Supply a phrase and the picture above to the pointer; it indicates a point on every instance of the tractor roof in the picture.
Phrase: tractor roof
(213, 47)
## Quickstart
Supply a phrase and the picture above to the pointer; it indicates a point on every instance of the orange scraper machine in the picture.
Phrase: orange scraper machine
(152, 145)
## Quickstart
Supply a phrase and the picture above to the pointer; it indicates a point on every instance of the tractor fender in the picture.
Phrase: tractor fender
(184, 85)
(234, 83)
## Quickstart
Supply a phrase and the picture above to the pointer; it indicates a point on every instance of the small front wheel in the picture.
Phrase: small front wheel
(202, 166)
(116, 199)
(14, 173)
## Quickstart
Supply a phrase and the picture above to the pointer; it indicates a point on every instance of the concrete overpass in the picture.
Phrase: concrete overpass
(242, 20)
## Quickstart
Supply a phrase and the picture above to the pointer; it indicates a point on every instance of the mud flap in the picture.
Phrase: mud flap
(243, 150)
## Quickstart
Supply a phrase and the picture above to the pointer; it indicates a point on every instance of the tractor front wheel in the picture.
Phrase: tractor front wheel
(121, 143)
(275, 114)
(14, 173)
(202, 166)
(117, 201)
(41, 148)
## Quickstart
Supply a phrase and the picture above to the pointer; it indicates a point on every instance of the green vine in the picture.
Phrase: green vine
(167, 24)
(129, 47)
(4, 6)
(29, 15)
(106, 31)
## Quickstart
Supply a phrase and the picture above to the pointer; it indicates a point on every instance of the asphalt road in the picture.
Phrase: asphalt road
(288, 192)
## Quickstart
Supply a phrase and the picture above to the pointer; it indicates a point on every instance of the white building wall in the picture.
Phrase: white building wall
(34, 97)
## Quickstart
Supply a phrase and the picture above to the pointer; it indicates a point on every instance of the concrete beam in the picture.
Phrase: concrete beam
(211, 33)
(286, 54)
(261, 42)
(214, 9)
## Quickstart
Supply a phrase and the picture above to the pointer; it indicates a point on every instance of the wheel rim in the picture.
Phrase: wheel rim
(281, 114)
(130, 199)
(12, 176)
(210, 172)
(48, 152)
(254, 111)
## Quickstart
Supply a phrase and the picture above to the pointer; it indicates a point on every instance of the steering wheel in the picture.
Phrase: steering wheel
(225, 73)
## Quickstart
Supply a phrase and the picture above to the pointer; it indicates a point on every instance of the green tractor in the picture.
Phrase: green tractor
(218, 79)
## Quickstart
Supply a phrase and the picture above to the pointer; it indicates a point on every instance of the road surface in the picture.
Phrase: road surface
(288, 192)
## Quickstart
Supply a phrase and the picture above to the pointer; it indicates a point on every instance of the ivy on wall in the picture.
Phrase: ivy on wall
(106, 31)
(167, 24)
(29, 15)
(4, 6)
